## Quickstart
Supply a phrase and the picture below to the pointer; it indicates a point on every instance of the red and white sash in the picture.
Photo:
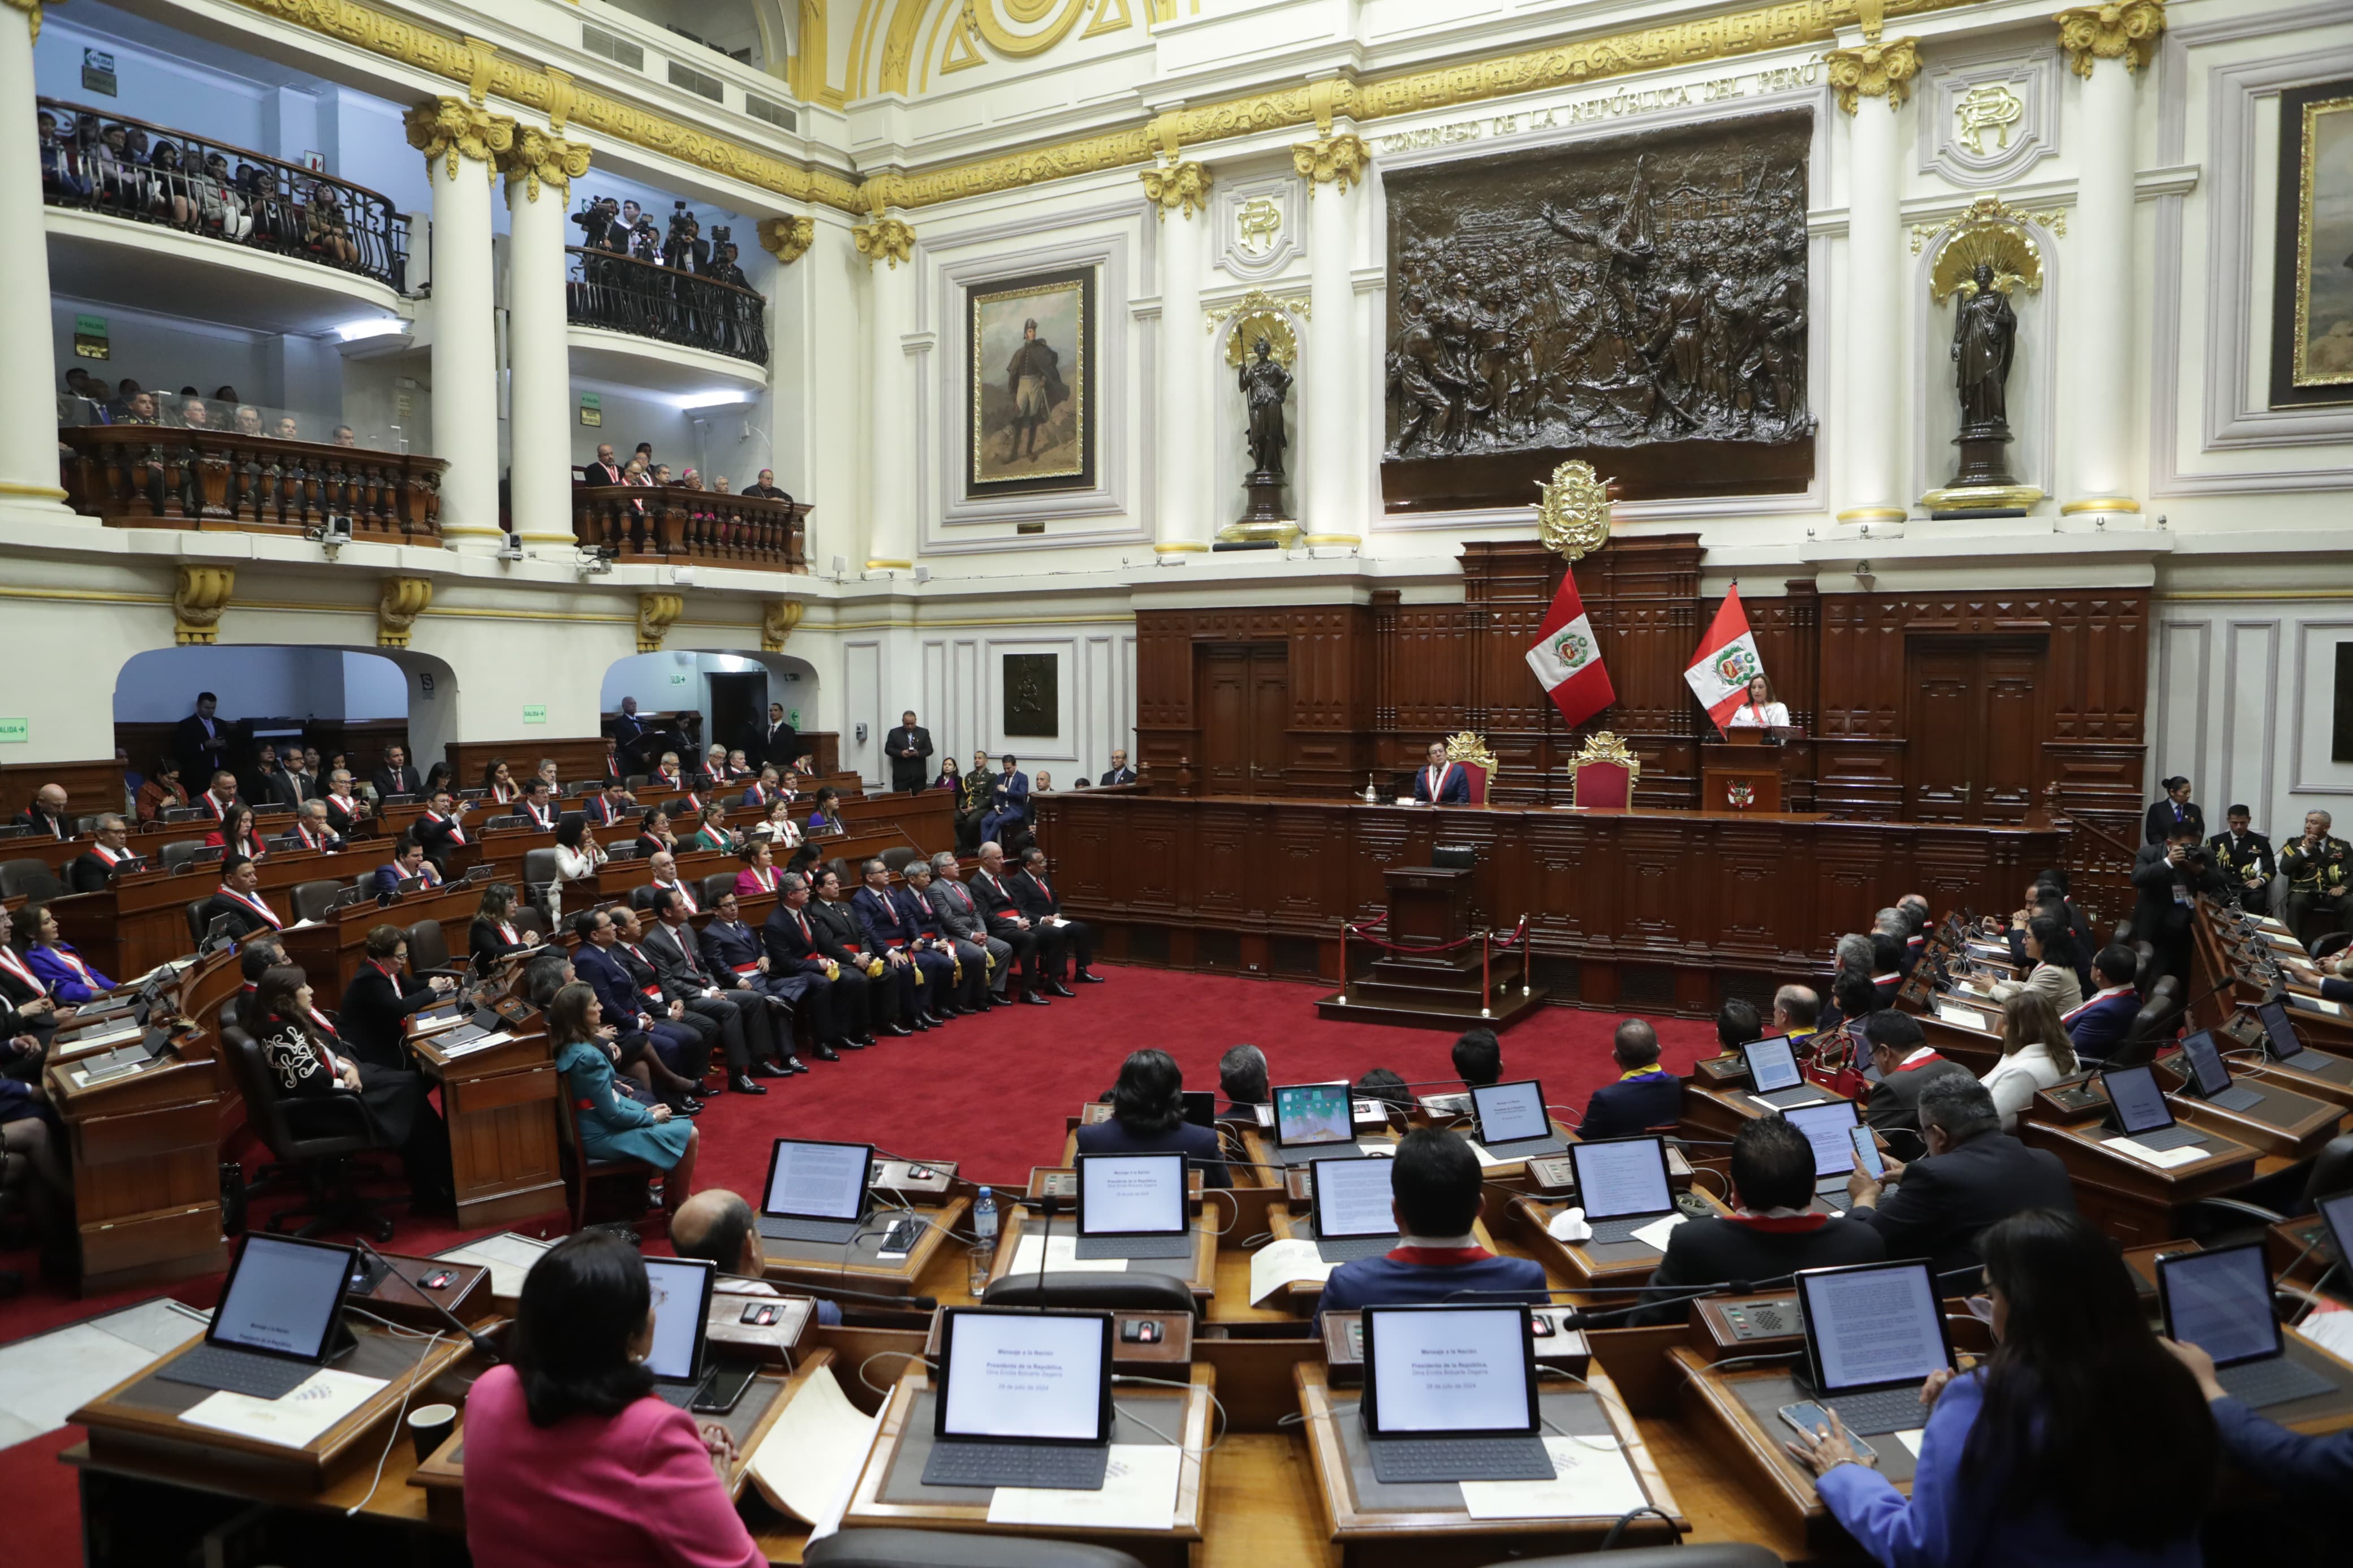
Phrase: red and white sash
(767, 880)
(22, 970)
(255, 904)
(679, 889)
(457, 834)
(2097, 997)
(1437, 777)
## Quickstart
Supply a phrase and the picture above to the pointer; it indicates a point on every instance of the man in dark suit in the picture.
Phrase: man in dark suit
(2175, 811)
(2317, 866)
(840, 938)
(408, 862)
(1119, 773)
(396, 777)
(263, 789)
(1036, 950)
(46, 813)
(1973, 1175)
(239, 898)
(537, 806)
(958, 913)
(1440, 781)
(2098, 1027)
(763, 790)
(442, 828)
(922, 966)
(1645, 1094)
(1009, 801)
(604, 470)
(201, 742)
(1770, 1234)
(2245, 860)
(90, 872)
(608, 806)
(1908, 1064)
(219, 795)
(1038, 901)
(746, 1018)
(775, 742)
(638, 741)
(909, 747)
(631, 996)
(297, 780)
(731, 946)
(2167, 877)
(837, 991)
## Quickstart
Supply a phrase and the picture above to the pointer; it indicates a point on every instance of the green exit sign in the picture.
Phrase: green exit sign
(534, 712)
(16, 732)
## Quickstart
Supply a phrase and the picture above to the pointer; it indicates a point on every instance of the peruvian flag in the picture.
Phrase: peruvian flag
(1726, 661)
(1566, 659)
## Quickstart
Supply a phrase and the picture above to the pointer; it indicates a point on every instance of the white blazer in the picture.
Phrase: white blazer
(2013, 1080)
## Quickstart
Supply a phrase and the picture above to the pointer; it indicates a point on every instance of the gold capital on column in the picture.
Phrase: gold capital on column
(2125, 30)
(198, 598)
(884, 239)
(400, 601)
(1179, 188)
(451, 127)
(534, 156)
(1874, 70)
(1338, 161)
(787, 238)
(655, 614)
(32, 9)
(777, 619)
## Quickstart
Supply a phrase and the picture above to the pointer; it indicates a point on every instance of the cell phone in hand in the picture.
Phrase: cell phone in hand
(1866, 1152)
(1810, 1418)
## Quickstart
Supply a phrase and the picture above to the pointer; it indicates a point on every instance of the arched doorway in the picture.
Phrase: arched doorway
(714, 697)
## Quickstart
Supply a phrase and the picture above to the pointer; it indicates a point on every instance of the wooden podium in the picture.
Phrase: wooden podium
(1450, 987)
(1741, 774)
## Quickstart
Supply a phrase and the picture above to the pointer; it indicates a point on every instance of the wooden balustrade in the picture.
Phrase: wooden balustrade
(668, 523)
(162, 476)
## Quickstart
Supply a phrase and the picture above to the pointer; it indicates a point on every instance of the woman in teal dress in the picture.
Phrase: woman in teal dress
(613, 1126)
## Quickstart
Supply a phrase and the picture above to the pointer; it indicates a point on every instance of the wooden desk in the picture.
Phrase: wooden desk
(1417, 1527)
(890, 1490)
(1579, 1263)
(501, 1106)
(853, 1265)
(332, 950)
(1302, 1296)
(2133, 1202)
(2283, 1123)
(145, 1153)
(1200, 1275)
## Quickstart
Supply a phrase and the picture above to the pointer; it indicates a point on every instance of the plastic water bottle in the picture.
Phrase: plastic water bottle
(983, 1228)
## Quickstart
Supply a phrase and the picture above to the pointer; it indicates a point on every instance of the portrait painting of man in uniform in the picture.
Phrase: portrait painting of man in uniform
(1032, 406)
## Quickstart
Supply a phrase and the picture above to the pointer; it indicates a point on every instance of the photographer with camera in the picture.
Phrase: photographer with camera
(2169, 876)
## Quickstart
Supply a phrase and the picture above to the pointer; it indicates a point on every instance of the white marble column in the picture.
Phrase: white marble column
(461, 142)
(1335, 460)
(1181, 458)
(1867, 300)
(539, 168)
(889, 247)
(2096, 337)
(28, 409)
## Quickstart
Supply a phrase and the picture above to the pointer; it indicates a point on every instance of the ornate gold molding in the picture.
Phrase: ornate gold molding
(198, 598)
(539, 156)
(1336, 160)
(777, 619)
(1178, 186)
(400, 601)
(1259, 314)
(1607, 746)
(655, 614)
(1471, 746)
(885, 240)
(787, 238)
(1874, 70)
(1573, 515)
(451, 127)
(32, 9)
(2125, 30)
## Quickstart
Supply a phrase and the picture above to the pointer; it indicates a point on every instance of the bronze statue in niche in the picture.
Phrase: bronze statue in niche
(1640, 292)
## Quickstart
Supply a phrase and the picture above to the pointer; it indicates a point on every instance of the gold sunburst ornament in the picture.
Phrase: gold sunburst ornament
(1572, 518)
(1991, 233)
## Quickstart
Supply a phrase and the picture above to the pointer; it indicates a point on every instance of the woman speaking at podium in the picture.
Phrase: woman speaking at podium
(1759, 711)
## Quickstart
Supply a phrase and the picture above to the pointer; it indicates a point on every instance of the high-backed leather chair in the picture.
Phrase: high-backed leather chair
(175, 856)
(957, 1548)
(895, 859)
(2332, 1169)
(429, 950)
(2159, 1018)
(316, 1137)
(715, 887)
(29, 878)
(313, 899)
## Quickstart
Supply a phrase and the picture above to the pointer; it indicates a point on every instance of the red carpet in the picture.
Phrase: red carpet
(991, 1094)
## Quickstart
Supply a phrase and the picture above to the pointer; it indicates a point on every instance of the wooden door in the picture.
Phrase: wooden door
(1245, 716)
(1973, 728)
(1270, 682)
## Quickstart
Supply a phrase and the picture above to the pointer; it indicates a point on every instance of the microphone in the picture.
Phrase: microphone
(1046, 1204)
(911, 1303)
(479, 1342)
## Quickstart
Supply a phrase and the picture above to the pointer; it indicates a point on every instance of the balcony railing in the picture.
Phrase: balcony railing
(176, 179)
(668, 523)
(155, 476)
(623, 294)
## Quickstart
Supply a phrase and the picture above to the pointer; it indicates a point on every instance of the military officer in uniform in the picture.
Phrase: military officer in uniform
(2244, 858)
(2316, 866)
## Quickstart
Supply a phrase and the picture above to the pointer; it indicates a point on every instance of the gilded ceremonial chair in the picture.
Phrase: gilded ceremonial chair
(1603, 776)
(1468, 751)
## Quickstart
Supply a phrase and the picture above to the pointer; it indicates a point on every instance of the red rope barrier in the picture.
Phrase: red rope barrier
(1364, 933)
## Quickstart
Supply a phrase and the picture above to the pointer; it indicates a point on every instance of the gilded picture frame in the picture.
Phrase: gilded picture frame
(1030, 421)
(2312, 293)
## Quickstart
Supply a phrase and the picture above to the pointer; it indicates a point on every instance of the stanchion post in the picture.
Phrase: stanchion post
(1486, 949)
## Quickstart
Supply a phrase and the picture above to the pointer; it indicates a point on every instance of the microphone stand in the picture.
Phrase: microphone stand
(479, 1341)
(1046, 1204)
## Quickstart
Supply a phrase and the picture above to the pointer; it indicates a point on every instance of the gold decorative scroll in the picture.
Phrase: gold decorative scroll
(1469, 746)
(787, 238)
(656, 612)
(2125, 30)
(538, 156)
(1181, 187)
(198, 598)
(1572, 518)
(1990, 232)
(451, 127)
(885, 240)
(401, 600)
(777, 619)
(1336, 160)
(1875, 70)
(32, 9)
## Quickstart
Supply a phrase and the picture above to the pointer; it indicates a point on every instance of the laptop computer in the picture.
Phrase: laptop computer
(1450, 1394)
(1828, 1127)
(1201, 1107)
(682, 1300)
(2210, 1075)
(1310, 1117)
(1133, 1205)
(2138, 1110)
(278, 1321)
(2221, 1302)
(1621, 1183)
(1512, 1120)
(1773, 1075)
(1873, 1333)
(2281, 1042)
(816, 1191)
(1024, 1400)
(1352, 1217)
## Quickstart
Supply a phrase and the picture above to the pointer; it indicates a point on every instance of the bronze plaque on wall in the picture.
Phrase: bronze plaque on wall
(1638, 301)
(1032, 694)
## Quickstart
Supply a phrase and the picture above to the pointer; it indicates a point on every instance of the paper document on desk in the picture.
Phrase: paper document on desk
(1479, 1152)
(1293, 1260)
(2163, 1159)
(304, 925)
(1654, 1234)
(1061, 1256)
(87, 1045)
(2331, 1328)
(1139, 1492)
(1911, 1439)
(463, 1047)
(2318, 1004)
(809, 1459)
(1592, 1478)
(508, 1256)
(320, 1400)
(1953, 1013)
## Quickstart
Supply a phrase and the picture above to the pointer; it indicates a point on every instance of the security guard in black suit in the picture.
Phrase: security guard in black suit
(2245, 860)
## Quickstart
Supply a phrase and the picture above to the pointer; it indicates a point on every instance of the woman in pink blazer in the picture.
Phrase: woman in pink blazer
(759, 873)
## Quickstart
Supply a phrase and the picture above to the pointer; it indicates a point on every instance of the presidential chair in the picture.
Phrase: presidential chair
(1468, 751)
(1602, 777)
